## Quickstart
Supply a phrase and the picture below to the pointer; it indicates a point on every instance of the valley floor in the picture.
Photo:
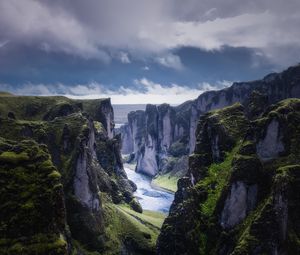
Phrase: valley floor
(151, 196)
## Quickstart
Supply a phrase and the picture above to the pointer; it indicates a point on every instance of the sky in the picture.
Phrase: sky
(142, 51)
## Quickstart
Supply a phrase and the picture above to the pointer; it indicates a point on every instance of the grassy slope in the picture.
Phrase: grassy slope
(138, 230)
(150, 218)
(35, 107)
(20, 104)
(166, 181)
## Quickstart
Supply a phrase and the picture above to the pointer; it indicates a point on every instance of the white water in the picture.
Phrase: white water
(149, 198)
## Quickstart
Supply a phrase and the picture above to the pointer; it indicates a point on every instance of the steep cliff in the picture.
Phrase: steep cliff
(80, 139)
(170, 132)
(241, 192)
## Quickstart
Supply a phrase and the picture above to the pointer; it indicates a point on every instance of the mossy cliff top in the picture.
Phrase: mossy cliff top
(49, 107)
(217, 134)
(246, 202)
(32, 206)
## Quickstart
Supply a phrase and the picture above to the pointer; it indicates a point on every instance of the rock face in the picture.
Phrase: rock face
(233, 200)
(271, 145)
(79, 136)
(147, 135)
(163, 126)
(84, 174)
(240, 201)
(127, 139)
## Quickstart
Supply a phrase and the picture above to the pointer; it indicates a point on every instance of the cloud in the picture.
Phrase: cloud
(144, 91)
(124, 58)
(147, 91)
(91, 29)
(205, 86)
(146, 68)
(170, 61)
(3, 43)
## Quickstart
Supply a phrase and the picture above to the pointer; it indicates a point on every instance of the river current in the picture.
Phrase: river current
(149, 197)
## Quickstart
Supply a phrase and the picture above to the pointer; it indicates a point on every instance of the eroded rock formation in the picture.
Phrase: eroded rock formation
(151, 134)
(84, 177)
(242, 199)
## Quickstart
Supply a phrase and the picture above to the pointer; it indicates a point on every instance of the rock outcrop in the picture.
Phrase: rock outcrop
(238, 198)
(161, 128)
(84, 151)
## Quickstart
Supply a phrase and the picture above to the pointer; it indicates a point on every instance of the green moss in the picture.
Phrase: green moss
(12, 157)
(99, 127)
(246, 241)
(135, 205)
(217, 178)
(232, 118)
(54, 174)
(32, 211)
(29, 107)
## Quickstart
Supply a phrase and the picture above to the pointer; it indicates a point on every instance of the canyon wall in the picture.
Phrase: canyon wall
(161, 133)
(66, 151)
(241, 192)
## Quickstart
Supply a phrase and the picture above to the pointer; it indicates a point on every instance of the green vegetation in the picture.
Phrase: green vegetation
(6, 94)
(166, 181)
(151, 218)
(232, 118)
(12, 157)
(38, 244)
(217, 178)
(137, 231)
(47, 108)
(29, 107)
(32, 213)
(34, 191)
(99, 127)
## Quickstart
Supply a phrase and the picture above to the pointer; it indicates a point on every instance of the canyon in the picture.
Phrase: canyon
(162, 136)
(231, 157)
(64, 188)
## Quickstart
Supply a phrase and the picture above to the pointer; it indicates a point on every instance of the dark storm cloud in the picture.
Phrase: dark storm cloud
(124, 47)
(89, 28)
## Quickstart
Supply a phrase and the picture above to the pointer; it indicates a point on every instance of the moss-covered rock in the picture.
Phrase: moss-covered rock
(32, 209)
(143, 134)
(135, 205)
(242, 202)
(88, 164)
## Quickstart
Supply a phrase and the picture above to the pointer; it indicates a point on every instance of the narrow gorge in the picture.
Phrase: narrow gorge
(63, 185)
(216, 175)
(229, 151)
(137, 127)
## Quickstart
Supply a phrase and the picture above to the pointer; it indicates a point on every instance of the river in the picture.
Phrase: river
(149, 198)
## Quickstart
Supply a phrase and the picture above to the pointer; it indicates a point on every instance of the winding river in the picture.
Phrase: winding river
(149, 197)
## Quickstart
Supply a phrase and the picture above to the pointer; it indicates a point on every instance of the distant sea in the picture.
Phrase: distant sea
(121, 111)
